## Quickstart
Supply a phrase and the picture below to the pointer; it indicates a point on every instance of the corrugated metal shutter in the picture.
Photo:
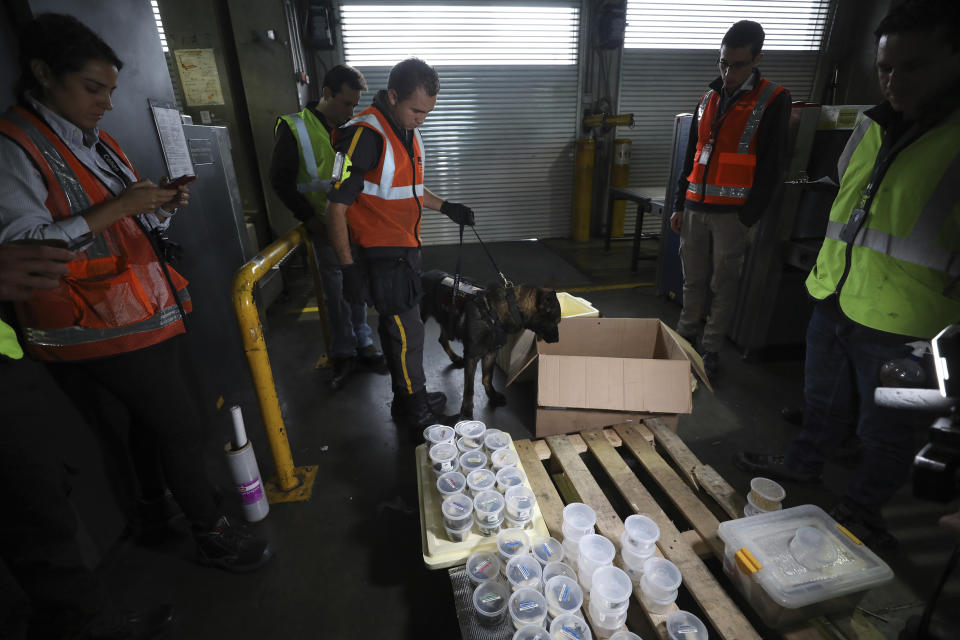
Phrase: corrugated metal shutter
(658, 83)
(501, 138)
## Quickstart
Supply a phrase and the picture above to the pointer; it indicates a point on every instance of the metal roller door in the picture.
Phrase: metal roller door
(501, 138)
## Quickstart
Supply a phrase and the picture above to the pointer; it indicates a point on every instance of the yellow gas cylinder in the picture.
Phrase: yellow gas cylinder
(583, 189)
(620, 177)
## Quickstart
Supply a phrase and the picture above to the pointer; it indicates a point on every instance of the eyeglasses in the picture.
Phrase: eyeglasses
(733, 65)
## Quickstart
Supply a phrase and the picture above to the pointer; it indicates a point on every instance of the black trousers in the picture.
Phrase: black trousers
(393, 275)
(38, 528)
(149, 384)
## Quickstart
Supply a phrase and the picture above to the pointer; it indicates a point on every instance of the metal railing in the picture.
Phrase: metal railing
(291, 484)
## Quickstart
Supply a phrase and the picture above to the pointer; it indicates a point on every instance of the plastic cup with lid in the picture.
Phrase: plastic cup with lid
(641, 532)
(443, 458)
(683, 625)
(520, 502)
(439, 433)
(578, 517)
(661, 578)
(811, 548)
(471, 430)
(465, 445)
(460, 534)
(554, 569)
(570, 627)
(563, 595)
(457, 511)
(595, 551)
(451, 483)
(605, 621)
(483, 566)
(524, 571)
(490, 600)
(488, 529)
(502, 458)
(611, 589)
(488, 506)
(532, 632)
(756, 509)
(512, 542)
(527, 606)
(473, 460)
(571, 552)
(659, 606)
(633, 558)
(510, 477)
(625, 635)
(766, 494)
(480, 480)
(517, 524)
(546, 550)
(494, 440)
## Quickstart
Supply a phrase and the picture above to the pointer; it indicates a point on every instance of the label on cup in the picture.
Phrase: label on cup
(490, 597)
(571, 633)
(526, 605)
(564, 593)
(524, 571)
(686, 628)
(513, 544)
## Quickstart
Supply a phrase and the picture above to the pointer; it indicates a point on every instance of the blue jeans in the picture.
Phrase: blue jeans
(349, 330)
(842, 369)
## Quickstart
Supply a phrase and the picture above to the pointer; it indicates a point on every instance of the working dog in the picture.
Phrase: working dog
(482, 318)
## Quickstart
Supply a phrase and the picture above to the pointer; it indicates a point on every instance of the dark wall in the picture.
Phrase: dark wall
(853, 48)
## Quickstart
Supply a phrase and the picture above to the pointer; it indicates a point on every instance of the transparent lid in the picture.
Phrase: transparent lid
(511, 542)
(531, 632)
(457, 507)
(579, 515)
(481, 479)
(553, 569)
(683, 625)
(488, 502)
(451, 482)
(483, 565)
(546, 549)
(491, 597)
(511, 476)
(563, 593)
(527, 605)
(435, 434)
(443, 451)
(470, 428)
(570, 627)
(761, 545)
(504, 458)
(473, 460)
(496, 439)
(524, 571)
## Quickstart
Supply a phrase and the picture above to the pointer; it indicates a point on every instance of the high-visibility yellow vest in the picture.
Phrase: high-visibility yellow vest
(8, 342)
(316, 157)
(904, 263)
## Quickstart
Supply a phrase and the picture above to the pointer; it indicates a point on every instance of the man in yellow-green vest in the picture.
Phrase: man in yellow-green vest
(888, 274)
(300, 172)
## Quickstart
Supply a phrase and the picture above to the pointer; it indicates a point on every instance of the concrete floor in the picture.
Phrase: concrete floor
(348, 562)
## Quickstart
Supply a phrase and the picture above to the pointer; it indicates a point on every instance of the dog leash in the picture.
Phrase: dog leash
(507, 284)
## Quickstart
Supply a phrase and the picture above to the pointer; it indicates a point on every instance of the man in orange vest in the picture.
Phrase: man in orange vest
(382, 197)
(735, 158)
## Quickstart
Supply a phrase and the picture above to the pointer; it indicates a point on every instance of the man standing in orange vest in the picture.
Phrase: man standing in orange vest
(735, 158)
(381, 195)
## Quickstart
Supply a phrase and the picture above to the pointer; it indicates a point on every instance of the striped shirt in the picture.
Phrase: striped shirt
(23, 191)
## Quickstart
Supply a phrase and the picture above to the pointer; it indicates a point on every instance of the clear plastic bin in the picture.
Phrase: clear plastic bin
(785, 589)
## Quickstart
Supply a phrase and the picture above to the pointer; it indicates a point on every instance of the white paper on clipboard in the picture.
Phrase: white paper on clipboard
(176, 154)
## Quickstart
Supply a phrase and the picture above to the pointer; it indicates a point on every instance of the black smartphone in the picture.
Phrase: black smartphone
(46, 242)
(179, 182)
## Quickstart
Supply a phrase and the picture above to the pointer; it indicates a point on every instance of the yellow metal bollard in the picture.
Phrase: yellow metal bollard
(620, 177)
(291, 484)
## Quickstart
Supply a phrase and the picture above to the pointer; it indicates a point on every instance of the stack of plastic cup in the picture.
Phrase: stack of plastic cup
(510, 477)
(457, 516)
(465, 445)
(480, 480)
(627, 635)
(524, 571)
(765, 496)
(546, 550)
(451, 483)
(490, 601)
(494, 440)
(527, 606)
(563, 596)
(502, 458)
(659, 584)
(578, 521)
(595, 552)
(472, 460)
(570, 627)
(512, 542)
(438, 433)
(520, 503)
(443, 458)
(638, 542)
(609, 599)
(488, 506)
(471, 431)
(483, 566)
(532, 632)
(683, 625)
(553, 569)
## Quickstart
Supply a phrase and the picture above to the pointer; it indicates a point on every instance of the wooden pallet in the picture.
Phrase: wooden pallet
(558, 475)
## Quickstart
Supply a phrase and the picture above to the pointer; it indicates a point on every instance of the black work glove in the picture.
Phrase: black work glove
(353, 289)
(459, 213)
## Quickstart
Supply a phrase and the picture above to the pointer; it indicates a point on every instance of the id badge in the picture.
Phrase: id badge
(705, 153)
(853, 225)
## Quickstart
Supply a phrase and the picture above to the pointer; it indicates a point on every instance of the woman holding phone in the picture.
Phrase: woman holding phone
(116, 320)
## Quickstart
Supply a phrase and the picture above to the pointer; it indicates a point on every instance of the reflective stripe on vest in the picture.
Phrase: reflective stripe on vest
(714, 190)
(852, 143)
(917, 248)
(754, 120)
(71, 336)
(309, 158)
(385, 189)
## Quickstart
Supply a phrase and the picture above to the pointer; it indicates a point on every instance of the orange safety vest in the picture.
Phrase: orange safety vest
(726, 177)
(388, 212)
(115, 298)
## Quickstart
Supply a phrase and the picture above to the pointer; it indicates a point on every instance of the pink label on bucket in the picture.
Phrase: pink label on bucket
(251, 492)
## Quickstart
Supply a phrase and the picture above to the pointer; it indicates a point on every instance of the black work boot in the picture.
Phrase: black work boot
(418, 414)
(343, 367)
(232, 547)
(436, 400)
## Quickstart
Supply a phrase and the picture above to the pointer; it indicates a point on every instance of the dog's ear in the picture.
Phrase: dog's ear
(549, 304)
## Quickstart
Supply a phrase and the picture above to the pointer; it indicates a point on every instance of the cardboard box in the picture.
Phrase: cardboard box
(607, 371)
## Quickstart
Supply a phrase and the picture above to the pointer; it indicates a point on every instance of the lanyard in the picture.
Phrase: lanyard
(118, 173)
